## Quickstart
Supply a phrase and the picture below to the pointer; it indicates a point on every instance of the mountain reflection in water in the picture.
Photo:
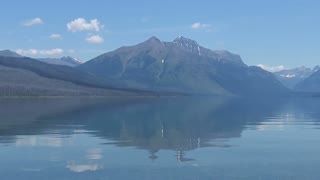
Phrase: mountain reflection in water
(178, 124)
(172, 138)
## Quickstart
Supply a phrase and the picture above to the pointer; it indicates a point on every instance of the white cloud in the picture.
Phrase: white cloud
(55, 36)
(81, 24)
(32, 22)
(272, 68)
(35, 52)
(198, 25)
(96, 39)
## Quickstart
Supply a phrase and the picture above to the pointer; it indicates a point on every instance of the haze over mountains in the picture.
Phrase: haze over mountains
(181, 66)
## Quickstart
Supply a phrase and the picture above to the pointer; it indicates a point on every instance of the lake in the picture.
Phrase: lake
(159, 138)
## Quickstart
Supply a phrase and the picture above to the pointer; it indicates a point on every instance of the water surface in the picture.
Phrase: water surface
(159, 138)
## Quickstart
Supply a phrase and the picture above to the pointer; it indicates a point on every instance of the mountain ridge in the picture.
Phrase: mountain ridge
(65, 60)
(183, 66)
(291, 77)
(310, 83)
(9, 53)
(23, 76)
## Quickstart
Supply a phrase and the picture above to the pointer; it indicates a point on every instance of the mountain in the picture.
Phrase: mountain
(311, 83)
(182, 66)
(23, 76)
(291, 77)
(316, 68)
(8, 53)
(66, 60)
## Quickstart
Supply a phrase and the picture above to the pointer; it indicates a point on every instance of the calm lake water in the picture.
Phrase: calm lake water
(159, 138)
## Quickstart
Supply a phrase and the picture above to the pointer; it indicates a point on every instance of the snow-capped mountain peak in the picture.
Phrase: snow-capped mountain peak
(71, 59)
(188, 44)
(185, 41)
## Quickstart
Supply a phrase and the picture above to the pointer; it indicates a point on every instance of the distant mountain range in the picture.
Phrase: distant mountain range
(66, 60)
(182, 66)
(153, 66)
(291, 77)
(311, 83)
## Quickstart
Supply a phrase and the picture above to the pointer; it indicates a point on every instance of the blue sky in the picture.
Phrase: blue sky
(269, 32)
